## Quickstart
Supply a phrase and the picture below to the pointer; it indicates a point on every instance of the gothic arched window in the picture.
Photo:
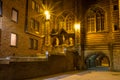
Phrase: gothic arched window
(98, 21)
(70, 23)
(95, 20)
(60, 22)
(91, 23)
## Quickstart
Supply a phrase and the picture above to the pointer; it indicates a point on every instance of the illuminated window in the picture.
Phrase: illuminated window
(60, 22)
(95, 21)
(88, 24)
(14, 15)
(13, 41)
(91, 23)
(99, 21)
(70, 23)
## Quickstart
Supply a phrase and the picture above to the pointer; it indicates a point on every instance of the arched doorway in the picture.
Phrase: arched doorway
(99, 60)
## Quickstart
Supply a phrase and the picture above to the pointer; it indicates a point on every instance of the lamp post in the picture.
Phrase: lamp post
(82, 38)
(47, 14)
(47, 28)
(77, 36)
(79, 44)
(47, 31)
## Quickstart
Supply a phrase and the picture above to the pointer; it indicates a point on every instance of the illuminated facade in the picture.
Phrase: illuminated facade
(55, 32)
(101, 33)
(25, 32)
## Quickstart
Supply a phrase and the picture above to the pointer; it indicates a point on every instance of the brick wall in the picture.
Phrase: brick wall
(9, 26)
(24, 70)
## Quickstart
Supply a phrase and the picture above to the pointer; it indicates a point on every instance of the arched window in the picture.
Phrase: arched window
(70, 24)
(99, 20)
(91, 23)
(92, 19)
(60, 22)
(96, 20)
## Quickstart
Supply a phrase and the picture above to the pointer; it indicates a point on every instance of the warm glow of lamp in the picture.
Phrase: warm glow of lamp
(47, 14)
(77, 33)
(77, 26)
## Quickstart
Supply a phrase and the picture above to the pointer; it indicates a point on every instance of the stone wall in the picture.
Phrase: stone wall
(25, 70)
(116, 60)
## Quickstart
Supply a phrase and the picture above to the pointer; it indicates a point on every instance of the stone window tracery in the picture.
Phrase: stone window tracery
(96, 21)
(60, 22)
(70, 23)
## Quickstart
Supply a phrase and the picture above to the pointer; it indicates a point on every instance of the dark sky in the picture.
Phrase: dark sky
(86, 4)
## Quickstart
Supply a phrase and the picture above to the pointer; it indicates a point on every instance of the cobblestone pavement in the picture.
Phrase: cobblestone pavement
(92, 74)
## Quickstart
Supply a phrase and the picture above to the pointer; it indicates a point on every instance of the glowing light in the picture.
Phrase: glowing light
(47, 14)
(77, 26)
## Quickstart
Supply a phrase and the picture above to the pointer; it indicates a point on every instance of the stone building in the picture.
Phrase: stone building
(101, 32)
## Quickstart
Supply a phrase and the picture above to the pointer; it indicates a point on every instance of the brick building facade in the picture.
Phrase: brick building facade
(27, 22)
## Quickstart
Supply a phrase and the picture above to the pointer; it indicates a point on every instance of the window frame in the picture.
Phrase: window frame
(34, 24)
(14, 15)
(99, 21)
(1, 8)
(70, 23)
(33, 44)
(36, 28)
(117, 27)
(92, 24)
(13, 39)
(33, 4)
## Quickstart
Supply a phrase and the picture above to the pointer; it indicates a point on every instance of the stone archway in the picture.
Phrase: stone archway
(97, 60)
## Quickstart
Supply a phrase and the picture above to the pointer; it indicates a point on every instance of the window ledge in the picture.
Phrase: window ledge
(4, 60)
(97, 32)
(7, 60)
(116, 31)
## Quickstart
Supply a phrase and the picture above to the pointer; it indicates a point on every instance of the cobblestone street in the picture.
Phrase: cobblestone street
(91, 74)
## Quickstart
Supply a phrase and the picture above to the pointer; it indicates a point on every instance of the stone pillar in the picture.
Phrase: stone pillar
(111, 56)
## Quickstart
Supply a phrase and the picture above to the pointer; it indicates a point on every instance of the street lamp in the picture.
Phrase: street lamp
(47, 27)
(79, 44)
(77, 34)
(77, 37)
(47, 30)
(47, 14)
